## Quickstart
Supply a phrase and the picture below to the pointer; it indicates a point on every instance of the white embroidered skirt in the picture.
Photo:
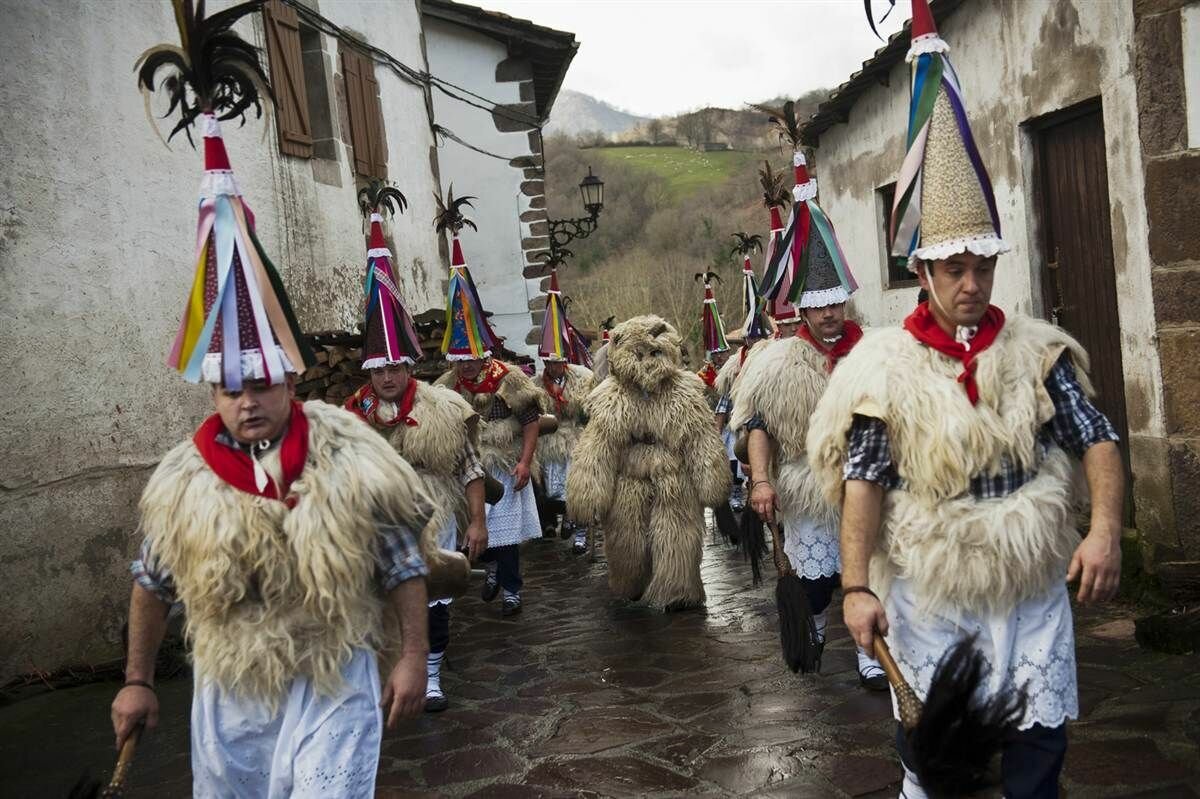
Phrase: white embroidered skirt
(514, 518)
(554, 479)
(311, 747)
(1032, 645)
(811, 546)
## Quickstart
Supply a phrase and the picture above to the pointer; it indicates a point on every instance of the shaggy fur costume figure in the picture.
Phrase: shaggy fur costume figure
(500, 439)
(272, 594)
(556, 447)
(781, 381)
(959, 552)
(647, 464)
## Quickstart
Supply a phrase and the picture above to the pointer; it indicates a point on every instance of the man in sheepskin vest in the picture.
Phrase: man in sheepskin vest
(565, 384)
(430, 426)
(952, 444)
(282, 529)
(774, 399)
(646, 466)
(509, 406)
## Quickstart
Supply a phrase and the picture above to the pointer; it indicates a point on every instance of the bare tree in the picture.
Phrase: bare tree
(654, 129)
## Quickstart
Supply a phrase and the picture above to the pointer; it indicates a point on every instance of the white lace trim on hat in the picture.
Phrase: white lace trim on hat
(929, 43)
(217, 182)
(806, 191)
(379, 252)
(823, 297)
(798, 158)
(984, 246)
(380, 361)
(252, 366)
(553, 359)
(376, 217)
(452, 357)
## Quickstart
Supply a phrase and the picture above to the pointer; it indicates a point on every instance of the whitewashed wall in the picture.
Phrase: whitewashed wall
(97, 221)
(494, 254)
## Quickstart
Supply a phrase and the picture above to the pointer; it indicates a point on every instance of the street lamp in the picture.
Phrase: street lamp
(564, 231)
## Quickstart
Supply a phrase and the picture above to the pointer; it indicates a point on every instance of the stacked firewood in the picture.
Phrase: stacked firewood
(338, 371)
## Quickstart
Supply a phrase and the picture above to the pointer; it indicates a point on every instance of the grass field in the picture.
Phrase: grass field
(684, 169)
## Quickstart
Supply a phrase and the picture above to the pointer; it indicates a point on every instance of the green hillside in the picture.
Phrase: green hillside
(685, 170)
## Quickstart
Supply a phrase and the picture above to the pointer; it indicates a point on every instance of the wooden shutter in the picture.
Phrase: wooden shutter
(287, 79)
(366, 119)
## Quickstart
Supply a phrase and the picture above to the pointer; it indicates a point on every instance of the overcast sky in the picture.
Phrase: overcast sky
(655, 57)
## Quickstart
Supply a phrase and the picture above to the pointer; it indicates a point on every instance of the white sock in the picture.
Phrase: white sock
(910, 788)
(867, 665)
(433, 675)
(821, 620)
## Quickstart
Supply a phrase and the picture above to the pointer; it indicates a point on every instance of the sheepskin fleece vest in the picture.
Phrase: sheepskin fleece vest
(273, 594)
(983, 555)
(434, 447)
(782, 381)
(500, 439)
(556, 447)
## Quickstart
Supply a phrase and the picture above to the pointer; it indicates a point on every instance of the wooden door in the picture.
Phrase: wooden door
(1079, 284)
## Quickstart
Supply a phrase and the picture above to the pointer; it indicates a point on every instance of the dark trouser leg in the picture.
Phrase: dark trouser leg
(439, 628)
(547, 508)
(820, 591)
(508, 566)
(1030, 762)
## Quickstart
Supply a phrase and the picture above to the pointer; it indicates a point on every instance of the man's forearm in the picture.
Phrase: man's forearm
(758, 445)
(411, 603)
(147, 626)
(862, 504)
(1106, 485)
(529, 437)
(476, 494)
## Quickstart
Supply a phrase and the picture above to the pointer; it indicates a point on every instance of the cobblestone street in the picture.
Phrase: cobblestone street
(584, 696)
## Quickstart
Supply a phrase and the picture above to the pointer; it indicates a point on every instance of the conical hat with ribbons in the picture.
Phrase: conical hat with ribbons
(238, 323)
(390, 336)
(944, 203)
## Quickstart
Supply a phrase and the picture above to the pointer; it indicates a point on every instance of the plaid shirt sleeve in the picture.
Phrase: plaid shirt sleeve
(529, 416)
(470, 467)
(756, 422)
(1077, 424)
(398, 558)
(151, 574)
(724, 405)
(869, 456)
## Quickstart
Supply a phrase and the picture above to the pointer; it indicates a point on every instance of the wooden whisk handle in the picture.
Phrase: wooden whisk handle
(906, 698)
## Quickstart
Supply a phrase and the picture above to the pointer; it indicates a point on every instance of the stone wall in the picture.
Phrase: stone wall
(1172, 184)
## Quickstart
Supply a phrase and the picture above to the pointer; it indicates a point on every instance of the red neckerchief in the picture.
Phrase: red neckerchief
(708, 374)
(488, 380)
(556, 392)
(235, 467)
(742, 355)
(364, 404)
(851, 335)
(924, 328)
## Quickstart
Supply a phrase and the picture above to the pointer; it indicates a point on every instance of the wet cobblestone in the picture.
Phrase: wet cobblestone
(585, 696)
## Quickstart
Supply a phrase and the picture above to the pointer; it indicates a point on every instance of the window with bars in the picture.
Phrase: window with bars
(895, 266)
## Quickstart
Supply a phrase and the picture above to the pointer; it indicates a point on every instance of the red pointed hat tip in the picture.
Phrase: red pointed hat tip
(708, 292)
(553, 280)
(215, 157)
(922, 20)
(456, 256)
(776, 221)
(377, 242)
